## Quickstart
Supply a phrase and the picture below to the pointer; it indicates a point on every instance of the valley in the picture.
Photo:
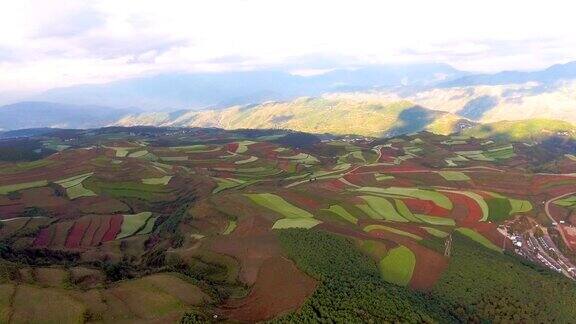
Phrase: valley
(205, 223)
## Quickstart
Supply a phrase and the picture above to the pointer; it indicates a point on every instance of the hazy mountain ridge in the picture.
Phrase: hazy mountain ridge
(31, 114)
(200, 90)
(552, 74)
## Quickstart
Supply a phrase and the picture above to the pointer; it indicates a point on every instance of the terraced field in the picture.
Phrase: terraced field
(165, 223)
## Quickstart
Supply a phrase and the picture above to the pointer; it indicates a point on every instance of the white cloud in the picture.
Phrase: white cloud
(48, 43)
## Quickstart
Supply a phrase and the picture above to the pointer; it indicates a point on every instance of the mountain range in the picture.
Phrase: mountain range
(174, 91)
(373, 100)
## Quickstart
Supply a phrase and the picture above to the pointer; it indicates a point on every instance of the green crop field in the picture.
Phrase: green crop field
(157, 181)
(295, 223)
(279, 205)
(132, 223)
(569, 201)
(75, 180)
(383, 208)
(398, 192)
(398, 265)
(454, 175)
(340, 211)
(231, 227)
(21, 186)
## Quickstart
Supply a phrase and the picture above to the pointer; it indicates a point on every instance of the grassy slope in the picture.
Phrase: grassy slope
(321, 115)
(521, 129)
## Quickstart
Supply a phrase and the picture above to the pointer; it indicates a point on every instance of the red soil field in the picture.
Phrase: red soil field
(251, 243)
(425, 207)
(489, 230)
(466, 211)
(11, 210)
(428, 269)
(232, 147)
(284, 165)
(113, 228)
(333, 185)
(300, 200)
(558, 212)
(95, 223)
(567, 166)
(43, 198)
(570, 234)
(359, 179)
(101, 230)
(43, 238)
(561, 190)
(405, 166)
(77, 233)
(277, 276)
(61, 233)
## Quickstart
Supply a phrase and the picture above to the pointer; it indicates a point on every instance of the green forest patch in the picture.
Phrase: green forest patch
(484, 286)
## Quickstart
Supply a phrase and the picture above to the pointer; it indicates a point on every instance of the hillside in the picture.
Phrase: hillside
(486, 103)
(534, 129)
(161, 224)
(314, 115)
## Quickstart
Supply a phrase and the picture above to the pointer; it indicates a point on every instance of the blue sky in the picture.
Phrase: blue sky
(52, 43)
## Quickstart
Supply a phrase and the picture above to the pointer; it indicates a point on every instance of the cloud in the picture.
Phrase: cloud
(62, 42)
(72, 24)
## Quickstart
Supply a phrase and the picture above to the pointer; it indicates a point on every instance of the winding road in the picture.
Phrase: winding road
(558, 226)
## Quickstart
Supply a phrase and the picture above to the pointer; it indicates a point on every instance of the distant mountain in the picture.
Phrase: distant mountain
(199, 90)
(488, 103)
(552, 74)
(526, 130)
(47, 114)
(315, 115)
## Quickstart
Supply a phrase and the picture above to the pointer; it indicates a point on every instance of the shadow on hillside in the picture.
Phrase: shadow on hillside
(411, 120)
(476, 108)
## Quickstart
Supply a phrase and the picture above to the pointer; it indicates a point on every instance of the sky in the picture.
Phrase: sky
(53, 43)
